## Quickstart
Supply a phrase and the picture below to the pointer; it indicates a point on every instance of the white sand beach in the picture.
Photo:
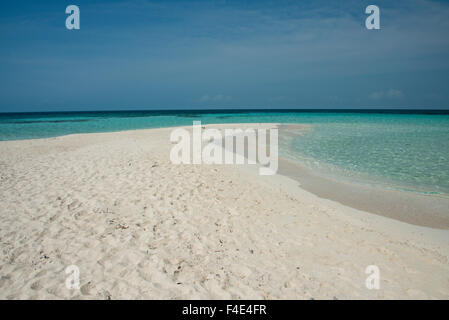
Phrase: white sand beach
(139, 227)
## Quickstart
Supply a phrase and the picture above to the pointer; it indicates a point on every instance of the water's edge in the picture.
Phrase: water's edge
(423, 210)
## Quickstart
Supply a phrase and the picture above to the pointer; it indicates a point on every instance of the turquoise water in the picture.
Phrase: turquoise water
(406, 150)
(402, 152)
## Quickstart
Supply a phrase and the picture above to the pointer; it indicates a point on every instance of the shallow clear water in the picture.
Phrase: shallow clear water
(408, 151)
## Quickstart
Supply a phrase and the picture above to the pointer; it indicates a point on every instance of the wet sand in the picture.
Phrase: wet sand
(423, 210)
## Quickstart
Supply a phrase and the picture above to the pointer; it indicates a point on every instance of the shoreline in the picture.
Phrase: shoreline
(399, 205)
(414, 208)
(422, 210)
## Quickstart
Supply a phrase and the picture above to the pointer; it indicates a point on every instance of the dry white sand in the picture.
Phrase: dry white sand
(139, 227)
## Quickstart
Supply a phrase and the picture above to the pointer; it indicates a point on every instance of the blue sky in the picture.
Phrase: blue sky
(223, 54)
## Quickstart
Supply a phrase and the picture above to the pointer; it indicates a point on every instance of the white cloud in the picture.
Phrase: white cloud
(215, 98)
(396, 94)
(390, 94)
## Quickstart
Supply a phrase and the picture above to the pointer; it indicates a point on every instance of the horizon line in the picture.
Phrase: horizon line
(195, 110)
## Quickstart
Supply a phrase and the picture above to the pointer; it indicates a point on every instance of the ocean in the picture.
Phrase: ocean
(406, 150)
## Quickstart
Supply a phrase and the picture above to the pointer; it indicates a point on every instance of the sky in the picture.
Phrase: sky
(143, 54)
